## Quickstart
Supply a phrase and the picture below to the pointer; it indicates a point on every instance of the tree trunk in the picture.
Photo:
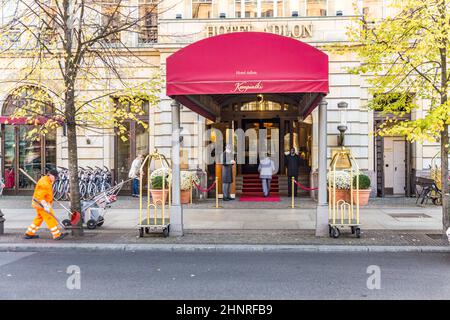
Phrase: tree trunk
(444, 134)
(75, 205)
(444, 179)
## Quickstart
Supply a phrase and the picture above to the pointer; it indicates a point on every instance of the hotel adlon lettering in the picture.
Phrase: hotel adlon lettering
(298, 31)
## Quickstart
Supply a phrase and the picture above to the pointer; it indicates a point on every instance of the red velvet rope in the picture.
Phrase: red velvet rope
(305, 188)
(204, 190)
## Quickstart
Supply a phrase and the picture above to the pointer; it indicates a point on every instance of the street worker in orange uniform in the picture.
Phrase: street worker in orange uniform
(42, 202)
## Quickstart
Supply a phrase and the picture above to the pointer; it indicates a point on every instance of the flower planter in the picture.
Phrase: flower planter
(363, 196)
(185, 196)
(341, 194)
(157, 196)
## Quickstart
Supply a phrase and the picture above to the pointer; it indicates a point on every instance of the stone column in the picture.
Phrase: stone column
(322, 206)
(176, 209)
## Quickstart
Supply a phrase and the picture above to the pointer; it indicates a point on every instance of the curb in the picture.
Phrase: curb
(20, 247)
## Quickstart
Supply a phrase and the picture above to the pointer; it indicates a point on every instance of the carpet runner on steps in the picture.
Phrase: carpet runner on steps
(252, 189)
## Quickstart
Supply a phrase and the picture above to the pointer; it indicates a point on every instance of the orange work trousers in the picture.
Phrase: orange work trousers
(50, 221)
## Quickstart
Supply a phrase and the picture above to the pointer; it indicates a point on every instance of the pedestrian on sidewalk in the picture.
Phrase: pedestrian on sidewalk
(134, 173)
(292, 162)
(266, 170)
(227, 173)
(42, 201)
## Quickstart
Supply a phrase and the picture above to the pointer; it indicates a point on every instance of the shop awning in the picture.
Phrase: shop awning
(201, 74)
(22, 120)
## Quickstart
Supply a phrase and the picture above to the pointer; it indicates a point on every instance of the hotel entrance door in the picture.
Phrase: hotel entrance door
(271, 125)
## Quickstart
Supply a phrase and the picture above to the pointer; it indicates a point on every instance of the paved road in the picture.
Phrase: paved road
(159, 275)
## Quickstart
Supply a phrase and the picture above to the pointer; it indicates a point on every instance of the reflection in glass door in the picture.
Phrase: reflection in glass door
(123, 160)
(29, 158)
(126, 151)
(9, 151)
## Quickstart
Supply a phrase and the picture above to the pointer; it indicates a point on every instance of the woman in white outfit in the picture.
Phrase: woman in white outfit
(266, 169)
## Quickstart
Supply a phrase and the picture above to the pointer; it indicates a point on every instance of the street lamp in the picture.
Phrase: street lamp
(342, 127)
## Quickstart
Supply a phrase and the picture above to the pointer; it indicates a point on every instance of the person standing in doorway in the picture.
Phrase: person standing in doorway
(134, 174)
(266, 170)
(227, 173)
(292, 162)
(42, 201)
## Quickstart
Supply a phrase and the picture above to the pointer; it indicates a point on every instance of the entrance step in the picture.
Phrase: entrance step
(250, 186)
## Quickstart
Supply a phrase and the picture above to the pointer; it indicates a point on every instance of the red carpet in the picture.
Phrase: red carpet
(252, 189)
(270, 198)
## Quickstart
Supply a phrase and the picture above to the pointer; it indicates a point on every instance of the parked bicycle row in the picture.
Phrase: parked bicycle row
(91, 182)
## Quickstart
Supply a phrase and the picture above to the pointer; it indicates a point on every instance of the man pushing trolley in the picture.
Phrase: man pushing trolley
(42, 201)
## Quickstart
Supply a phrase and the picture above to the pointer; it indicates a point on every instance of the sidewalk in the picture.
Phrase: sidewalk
(388, 225)
(381, 214)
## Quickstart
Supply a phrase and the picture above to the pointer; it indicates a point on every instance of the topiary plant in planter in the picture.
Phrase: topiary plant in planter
(157, 177)
(362, 182)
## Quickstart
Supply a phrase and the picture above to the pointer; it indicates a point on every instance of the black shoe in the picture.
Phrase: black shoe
(28, 237)
(226, 199)
(230, 198)
(61, 236)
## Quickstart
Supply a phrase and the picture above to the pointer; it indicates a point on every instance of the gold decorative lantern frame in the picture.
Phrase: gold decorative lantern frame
(343, 212)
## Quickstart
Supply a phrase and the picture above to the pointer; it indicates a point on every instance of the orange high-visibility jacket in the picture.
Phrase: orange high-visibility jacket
(43, 191)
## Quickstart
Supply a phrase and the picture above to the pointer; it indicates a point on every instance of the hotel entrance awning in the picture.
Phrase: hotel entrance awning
(203, 75)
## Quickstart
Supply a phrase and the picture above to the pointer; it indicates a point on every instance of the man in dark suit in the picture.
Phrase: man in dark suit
(227, 173)
(292, 162)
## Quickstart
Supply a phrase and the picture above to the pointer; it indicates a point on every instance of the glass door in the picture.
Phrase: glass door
(126, 151)
(250, 153)
(9, 157)
(29, 158)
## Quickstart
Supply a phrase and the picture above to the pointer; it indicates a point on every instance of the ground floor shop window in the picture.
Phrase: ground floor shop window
(35, 155)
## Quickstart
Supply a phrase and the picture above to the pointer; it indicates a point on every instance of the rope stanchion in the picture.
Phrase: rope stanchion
(293, 181)
(190, 191)
(204, 190)
(214, 184)
(292, 193)
(217, 193)
(305, 188)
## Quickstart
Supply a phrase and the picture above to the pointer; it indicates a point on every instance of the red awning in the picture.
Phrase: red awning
(246, 63)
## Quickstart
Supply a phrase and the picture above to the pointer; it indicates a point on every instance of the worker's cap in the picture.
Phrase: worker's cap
(53, 172)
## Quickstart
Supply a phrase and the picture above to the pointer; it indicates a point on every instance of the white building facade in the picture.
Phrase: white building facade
(391, 162)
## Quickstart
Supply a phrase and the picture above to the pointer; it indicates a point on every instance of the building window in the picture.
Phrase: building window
(373, 9)
(250, 8)
(267, 8)
(237, 9)
(261, 106)
(148, 21)
(280, 8)
(111, 19)
(203, 9)
(7, 11)
(316, 8)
